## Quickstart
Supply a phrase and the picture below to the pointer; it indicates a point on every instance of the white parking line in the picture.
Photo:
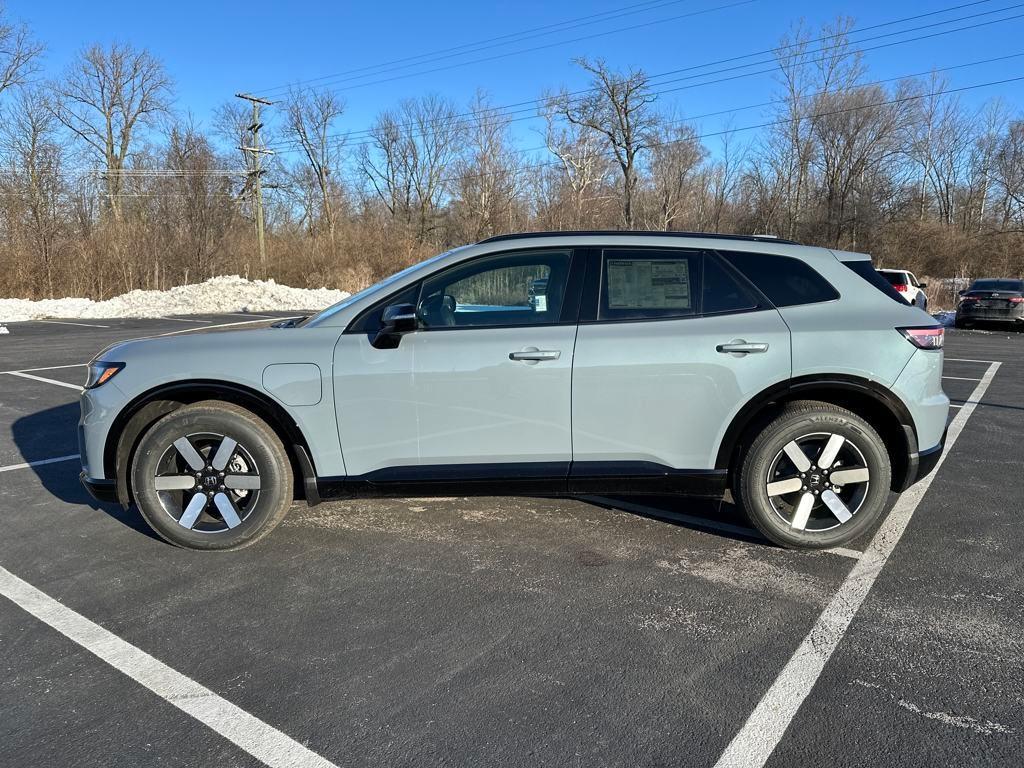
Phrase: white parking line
(39, 462)
(24, 375)
(967, 360)
(48, 368)
(767, 724)
(262, 741)
(960, 378)
(65, 322)
(698, 522)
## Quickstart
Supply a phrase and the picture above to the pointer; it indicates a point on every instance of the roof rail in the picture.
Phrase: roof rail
(644, 233)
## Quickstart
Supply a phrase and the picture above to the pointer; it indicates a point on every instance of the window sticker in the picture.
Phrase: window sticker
(648, 284)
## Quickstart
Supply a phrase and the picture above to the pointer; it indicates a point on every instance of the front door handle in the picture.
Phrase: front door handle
(534, 355)
(740, 347)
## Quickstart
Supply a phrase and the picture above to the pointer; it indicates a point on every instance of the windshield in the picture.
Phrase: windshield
(359, 296)
(998, 285)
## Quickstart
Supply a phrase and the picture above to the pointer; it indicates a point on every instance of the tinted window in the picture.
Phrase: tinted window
(879, 280)
(721, 292)
(507, 289)
(784, 280)
(894, 278)
(998, 285)
(645, 284)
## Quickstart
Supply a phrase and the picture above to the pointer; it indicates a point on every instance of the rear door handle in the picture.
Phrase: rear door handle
(740, 347)
(534, 355)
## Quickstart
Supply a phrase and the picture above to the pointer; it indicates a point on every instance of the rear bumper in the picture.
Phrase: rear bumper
(104, 491)
(990, 315)
(920, 464)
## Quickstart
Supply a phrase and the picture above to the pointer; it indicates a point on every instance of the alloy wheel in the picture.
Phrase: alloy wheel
(818, 482)
(207, 482)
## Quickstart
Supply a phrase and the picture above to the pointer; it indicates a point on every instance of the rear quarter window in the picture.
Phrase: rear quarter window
(786, 281)
(865, 269)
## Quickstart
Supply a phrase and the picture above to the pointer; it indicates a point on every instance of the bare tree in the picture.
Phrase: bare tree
(311, 116)
(584, 168)
(409, 157)
(488, 180)
(619, 108)
(676, 154)
(19, 53)
(105, 97)
(32, 148)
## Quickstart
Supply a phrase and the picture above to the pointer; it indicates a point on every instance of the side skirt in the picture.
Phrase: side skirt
(526, 479)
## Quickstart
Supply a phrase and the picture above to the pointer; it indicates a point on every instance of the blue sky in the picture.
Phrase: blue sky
(214, 49)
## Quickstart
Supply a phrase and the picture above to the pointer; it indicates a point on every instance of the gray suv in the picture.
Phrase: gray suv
(547, 364)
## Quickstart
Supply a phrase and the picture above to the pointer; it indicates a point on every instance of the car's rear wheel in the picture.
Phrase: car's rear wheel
(816, 476)
(211, 476)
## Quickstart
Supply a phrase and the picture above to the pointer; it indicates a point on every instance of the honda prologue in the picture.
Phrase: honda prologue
(544, 364)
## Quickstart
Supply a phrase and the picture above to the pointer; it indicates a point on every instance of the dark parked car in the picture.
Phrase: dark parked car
(991, 301)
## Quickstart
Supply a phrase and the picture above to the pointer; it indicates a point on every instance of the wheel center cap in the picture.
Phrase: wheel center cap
(210, 481)
(814, 480)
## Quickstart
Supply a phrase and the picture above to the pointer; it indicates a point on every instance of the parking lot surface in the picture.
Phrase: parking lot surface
(514, 631)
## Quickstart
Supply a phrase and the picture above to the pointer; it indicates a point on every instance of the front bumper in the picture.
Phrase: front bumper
(104, 491)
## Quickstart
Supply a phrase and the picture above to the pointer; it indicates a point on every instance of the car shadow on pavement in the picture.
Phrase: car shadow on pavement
(52, 432)
(717, 516)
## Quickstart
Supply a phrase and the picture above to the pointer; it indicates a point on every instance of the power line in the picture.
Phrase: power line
(579, 21)
(769, 124)
(290, 146)
(615, 31)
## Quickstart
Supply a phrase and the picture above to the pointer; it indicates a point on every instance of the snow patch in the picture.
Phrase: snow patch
(215, 296)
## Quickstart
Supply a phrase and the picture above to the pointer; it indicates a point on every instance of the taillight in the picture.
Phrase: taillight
(968, 299)
(900, 288)
(930, 337)
(1017, 299)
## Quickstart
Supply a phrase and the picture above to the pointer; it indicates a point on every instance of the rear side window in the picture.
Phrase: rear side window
(894, 278)
(784, 280)
(721, 292)
(646, 284)
(880, 280)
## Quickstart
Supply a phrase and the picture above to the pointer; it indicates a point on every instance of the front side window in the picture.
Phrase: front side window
(525, 288)
(648, 284)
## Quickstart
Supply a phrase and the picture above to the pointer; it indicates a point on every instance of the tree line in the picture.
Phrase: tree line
(105, 187)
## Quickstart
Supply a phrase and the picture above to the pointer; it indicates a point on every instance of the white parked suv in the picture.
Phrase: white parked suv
(563, 364)
(907, 285)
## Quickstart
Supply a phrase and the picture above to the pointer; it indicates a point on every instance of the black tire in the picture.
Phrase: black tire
(961, 324)
(250, 481)
(811, 425)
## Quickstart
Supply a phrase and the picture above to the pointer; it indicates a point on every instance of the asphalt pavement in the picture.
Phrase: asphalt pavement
(510, 631)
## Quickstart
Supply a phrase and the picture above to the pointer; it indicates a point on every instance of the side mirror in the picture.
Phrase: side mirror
(922, 285)
(397, 320)
(961, 293)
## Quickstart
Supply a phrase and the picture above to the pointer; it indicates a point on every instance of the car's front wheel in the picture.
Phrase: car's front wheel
(211, 476)
(816, 476)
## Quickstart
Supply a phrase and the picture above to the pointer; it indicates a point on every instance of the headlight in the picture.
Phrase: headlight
(101, 372)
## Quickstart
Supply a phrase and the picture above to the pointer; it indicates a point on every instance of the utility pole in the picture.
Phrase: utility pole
(255, 171)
